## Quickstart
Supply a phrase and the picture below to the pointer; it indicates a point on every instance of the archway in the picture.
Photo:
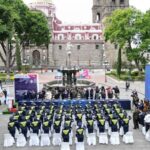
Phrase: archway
(98, 17)
(36, 58)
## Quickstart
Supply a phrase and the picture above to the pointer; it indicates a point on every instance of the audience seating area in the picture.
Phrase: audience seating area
(46, 123)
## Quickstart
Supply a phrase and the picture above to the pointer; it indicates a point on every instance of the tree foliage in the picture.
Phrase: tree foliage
(16, 18)
(123, 28)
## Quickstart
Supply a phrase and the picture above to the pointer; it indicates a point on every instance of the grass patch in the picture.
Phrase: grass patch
(125, 76)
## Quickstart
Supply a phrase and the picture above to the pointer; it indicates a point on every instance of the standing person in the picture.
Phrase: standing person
(136, 118)
(1, 84)
(109, 92)
(127, 85)
(103, 93)
(5, 94)
(116, 92)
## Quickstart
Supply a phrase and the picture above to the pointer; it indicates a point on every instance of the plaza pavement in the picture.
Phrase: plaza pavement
(97, 76)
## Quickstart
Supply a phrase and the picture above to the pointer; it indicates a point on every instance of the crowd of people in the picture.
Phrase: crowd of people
(87, 93)
(100, 117)
(141, 114)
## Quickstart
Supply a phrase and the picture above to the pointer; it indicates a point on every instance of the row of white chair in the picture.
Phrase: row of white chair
(56, 140)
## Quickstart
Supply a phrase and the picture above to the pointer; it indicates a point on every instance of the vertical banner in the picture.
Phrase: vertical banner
(26, 86)
(147, 82)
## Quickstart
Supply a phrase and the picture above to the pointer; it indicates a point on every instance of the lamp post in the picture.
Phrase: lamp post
(68, 49)
(25, 64)
(105, 64)
(69, 59)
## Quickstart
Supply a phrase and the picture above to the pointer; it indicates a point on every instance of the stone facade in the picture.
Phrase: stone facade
(86, 42)
(88, 48)
(101, 9)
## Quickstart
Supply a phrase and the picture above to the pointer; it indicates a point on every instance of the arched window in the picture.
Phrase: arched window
(36, 58)
(121, 1)
(98, 17)
(95, 37)
(60, 37)
(78, 37)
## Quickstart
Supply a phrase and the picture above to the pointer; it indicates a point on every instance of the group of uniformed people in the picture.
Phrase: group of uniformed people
(60, 119)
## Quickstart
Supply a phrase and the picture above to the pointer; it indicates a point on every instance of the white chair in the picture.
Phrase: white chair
(114, 138)
(65, 146)
(8, 140)
(21, 141)
(34, 140)
(91, 139)
(121, 132)
(70, 137)
(143, 130)
(45, 140)
(80, 146)
(147, 135)
(106, 125)
(128, 138)
(103, 138)
(56, 139)
(17, 133)
(109, 130)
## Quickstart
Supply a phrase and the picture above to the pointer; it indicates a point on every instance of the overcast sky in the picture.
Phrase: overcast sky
(76, 11)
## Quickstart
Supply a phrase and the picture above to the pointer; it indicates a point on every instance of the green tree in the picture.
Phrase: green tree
(121, 28)
(29, 25)
(18, 55)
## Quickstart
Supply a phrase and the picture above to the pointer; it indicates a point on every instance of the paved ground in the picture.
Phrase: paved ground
(99, 78)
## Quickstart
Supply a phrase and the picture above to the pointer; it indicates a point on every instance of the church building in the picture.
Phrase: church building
(83, 44)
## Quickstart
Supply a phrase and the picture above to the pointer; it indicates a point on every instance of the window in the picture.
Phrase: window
(98, 17)
(78, 37)
(95, 36)
(78, 47)
(115, 46)
(44, 57)
(28, 57)
(114, 1)
(96, 46)
(121, 1)
(60, 47)
(148, 56)
(60, 37)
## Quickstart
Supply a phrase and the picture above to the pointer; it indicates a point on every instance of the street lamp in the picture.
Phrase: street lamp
(69, 60)
(105, 64)
(68, 49)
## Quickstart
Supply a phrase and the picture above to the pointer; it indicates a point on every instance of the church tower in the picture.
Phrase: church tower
(103, 8)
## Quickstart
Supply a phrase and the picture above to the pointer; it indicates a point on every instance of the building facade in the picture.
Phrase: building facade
(101, 9)
(86, 43)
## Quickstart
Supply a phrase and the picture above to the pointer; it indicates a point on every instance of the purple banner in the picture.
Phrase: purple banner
(147, 82)
(26, 86)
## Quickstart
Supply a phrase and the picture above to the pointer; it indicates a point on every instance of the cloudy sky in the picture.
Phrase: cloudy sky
(76, 11)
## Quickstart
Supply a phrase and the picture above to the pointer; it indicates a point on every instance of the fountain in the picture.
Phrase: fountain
(69, 78)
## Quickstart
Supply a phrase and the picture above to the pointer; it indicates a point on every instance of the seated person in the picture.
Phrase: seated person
(57, 126)
(90, 126)
(101, 125)
(65, 134)
(80, 134)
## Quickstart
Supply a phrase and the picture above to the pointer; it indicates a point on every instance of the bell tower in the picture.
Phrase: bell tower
(103, 8)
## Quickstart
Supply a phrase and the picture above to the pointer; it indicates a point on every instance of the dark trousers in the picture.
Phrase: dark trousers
(147, 126)
(66, 138)
(101, 129)
(136, 123)
(125, 128)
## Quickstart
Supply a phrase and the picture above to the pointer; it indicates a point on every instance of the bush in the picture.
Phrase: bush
(124, 77)
(6, 112)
